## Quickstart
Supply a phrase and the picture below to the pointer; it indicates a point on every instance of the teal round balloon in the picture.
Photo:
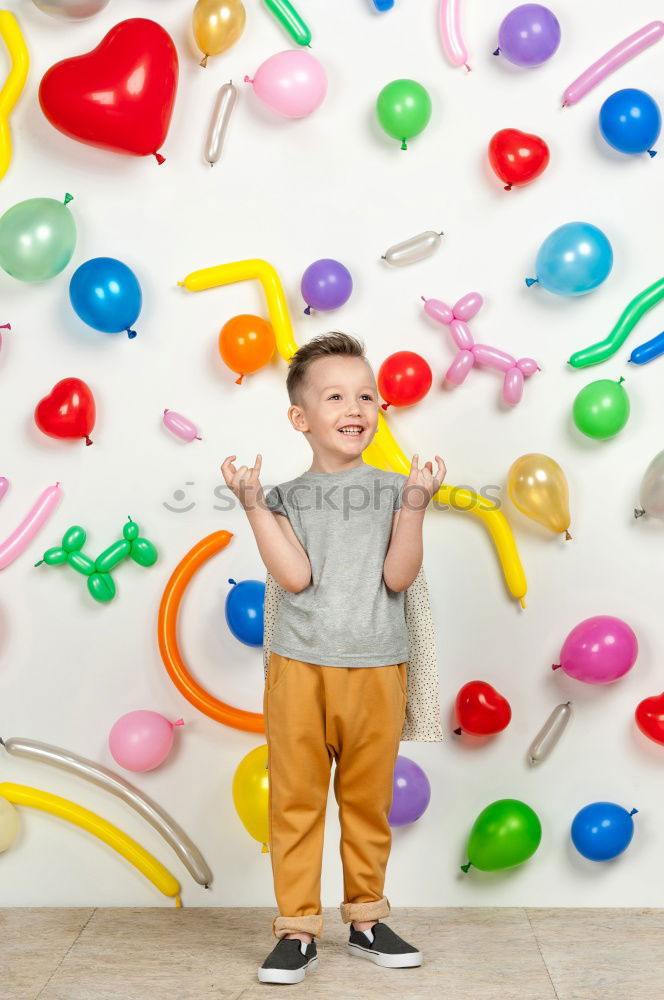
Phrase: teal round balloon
(601, 409)
(505, 834)
(404, 109)
(37, 239)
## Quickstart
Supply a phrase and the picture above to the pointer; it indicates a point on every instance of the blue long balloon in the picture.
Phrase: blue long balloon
(648, 351)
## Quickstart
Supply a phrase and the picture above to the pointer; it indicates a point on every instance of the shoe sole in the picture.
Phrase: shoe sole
(287, 975)
(408, 961)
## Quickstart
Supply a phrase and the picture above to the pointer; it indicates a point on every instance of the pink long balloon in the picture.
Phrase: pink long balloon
(4, 486)
(612, 60)
(181, 426)
(468, 306)
(5, 326)
(438, 310)
(513, 386)
(461, 334)
(493, 357)
(450, 33)
(458, 370)
(18, 541)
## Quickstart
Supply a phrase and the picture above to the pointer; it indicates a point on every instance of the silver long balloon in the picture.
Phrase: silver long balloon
(73, 10)
(550, 733)
(413, 249)
(187, 851)
(652, 489)
(223, 109)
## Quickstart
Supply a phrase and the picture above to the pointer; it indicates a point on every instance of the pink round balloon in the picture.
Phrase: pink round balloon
(293, 83)
(599, 650)
(142, 740)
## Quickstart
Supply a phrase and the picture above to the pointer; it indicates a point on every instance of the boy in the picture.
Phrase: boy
(344, 540)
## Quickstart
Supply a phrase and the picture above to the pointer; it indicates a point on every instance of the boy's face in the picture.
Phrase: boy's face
(339, 392)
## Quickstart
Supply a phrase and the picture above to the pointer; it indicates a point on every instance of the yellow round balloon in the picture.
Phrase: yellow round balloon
(251, 788)
(538, 487)
(217, 25)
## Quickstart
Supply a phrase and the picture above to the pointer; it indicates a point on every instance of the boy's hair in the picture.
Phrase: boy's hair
(325, 345)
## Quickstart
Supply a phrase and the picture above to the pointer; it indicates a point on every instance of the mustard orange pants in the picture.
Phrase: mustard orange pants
(313, 715)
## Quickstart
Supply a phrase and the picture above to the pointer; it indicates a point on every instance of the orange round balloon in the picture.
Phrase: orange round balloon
(246, 343)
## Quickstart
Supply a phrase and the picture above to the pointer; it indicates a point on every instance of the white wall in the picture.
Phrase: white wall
(291, 192)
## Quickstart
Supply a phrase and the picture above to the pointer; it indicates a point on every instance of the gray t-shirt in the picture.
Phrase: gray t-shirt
(346, 616)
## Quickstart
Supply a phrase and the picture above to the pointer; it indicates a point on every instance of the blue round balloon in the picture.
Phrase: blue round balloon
(574, 259)
(602, 830)
(630, 121)
(106, 294)
(245, 605)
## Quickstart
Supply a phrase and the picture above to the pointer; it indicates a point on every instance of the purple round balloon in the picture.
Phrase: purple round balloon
(326, 284)
(528, 35)
(412, 792)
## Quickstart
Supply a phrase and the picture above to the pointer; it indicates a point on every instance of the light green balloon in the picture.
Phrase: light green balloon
(404, 109)
(37, 238)
(505, 834)
(601, 409)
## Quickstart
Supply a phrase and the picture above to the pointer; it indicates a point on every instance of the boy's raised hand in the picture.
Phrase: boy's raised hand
(243, 482)
(426, 480)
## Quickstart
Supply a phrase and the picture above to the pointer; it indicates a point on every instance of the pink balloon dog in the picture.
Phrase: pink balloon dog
(470, 353)
(599, 650)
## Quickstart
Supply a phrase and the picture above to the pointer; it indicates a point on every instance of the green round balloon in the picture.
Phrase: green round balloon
(505, 834)
(601, 409)
(404, 109)
(37, 238)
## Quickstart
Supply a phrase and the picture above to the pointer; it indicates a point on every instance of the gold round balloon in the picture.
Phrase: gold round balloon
(538, 488)
(217, 25)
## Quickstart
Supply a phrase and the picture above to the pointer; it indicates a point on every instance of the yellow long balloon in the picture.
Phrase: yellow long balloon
(383, 450)
(23, 795)
(10, 93)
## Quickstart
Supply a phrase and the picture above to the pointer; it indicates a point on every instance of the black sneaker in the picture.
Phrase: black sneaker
(288, 962)
(385, 947)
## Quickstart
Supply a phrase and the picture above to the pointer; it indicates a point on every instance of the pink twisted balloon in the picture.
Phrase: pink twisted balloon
(470, 353)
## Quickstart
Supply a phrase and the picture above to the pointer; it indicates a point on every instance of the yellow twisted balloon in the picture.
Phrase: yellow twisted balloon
(13, 39)
(383, 452)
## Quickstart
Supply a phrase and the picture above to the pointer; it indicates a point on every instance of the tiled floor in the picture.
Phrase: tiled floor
(469, 954)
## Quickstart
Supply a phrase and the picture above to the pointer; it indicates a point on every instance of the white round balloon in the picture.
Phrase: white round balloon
(9, 824)
(73, 10)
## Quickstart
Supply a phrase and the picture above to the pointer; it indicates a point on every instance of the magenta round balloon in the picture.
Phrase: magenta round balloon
(412, 792)
(599, 650)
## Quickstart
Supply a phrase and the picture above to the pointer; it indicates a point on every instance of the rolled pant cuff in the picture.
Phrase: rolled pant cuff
(373, 910)
(310, 923)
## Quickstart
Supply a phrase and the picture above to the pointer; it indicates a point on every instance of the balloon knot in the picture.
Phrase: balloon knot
(458, 731)
(6, 326)
(39, 563)
(652, 152)
(508, 187)
(404, 144)
(568, 537)
(238, 381)
(159, 158)
(555, 666)
(131, 334)
(203, 61)
(179, 722)
(634, 812)
(231, 580)
(621, 380)
(468, 67)
(68, 198)
(464, 868)
(496, 52)
(307, 311)
(248, 79)
(531, 281)
(265, 849)
(639, 512)
(88, 440)
(384, 406)
(197, 438)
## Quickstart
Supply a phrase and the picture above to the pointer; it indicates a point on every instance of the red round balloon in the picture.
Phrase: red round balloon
(404, 378)
(68, 411)
(481, 710)
(120, 95)
(650, 717)
(517, 157)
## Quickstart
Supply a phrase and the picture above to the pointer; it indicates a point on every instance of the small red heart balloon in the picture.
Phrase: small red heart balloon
(481, 710)
(68, 411)
(650, 717)
(517, 157)
(120, 96)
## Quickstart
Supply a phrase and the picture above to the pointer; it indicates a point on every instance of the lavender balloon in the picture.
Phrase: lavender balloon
(528, 35)
(412, 792)
(326, 284)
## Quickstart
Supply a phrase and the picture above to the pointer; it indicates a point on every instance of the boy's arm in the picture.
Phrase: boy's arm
(405, 551)
(279, 548)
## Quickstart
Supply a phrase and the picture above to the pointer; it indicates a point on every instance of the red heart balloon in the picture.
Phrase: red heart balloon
(120, 96)
(650, 717)
(68, 411)
(481, 710)
(517, 157)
